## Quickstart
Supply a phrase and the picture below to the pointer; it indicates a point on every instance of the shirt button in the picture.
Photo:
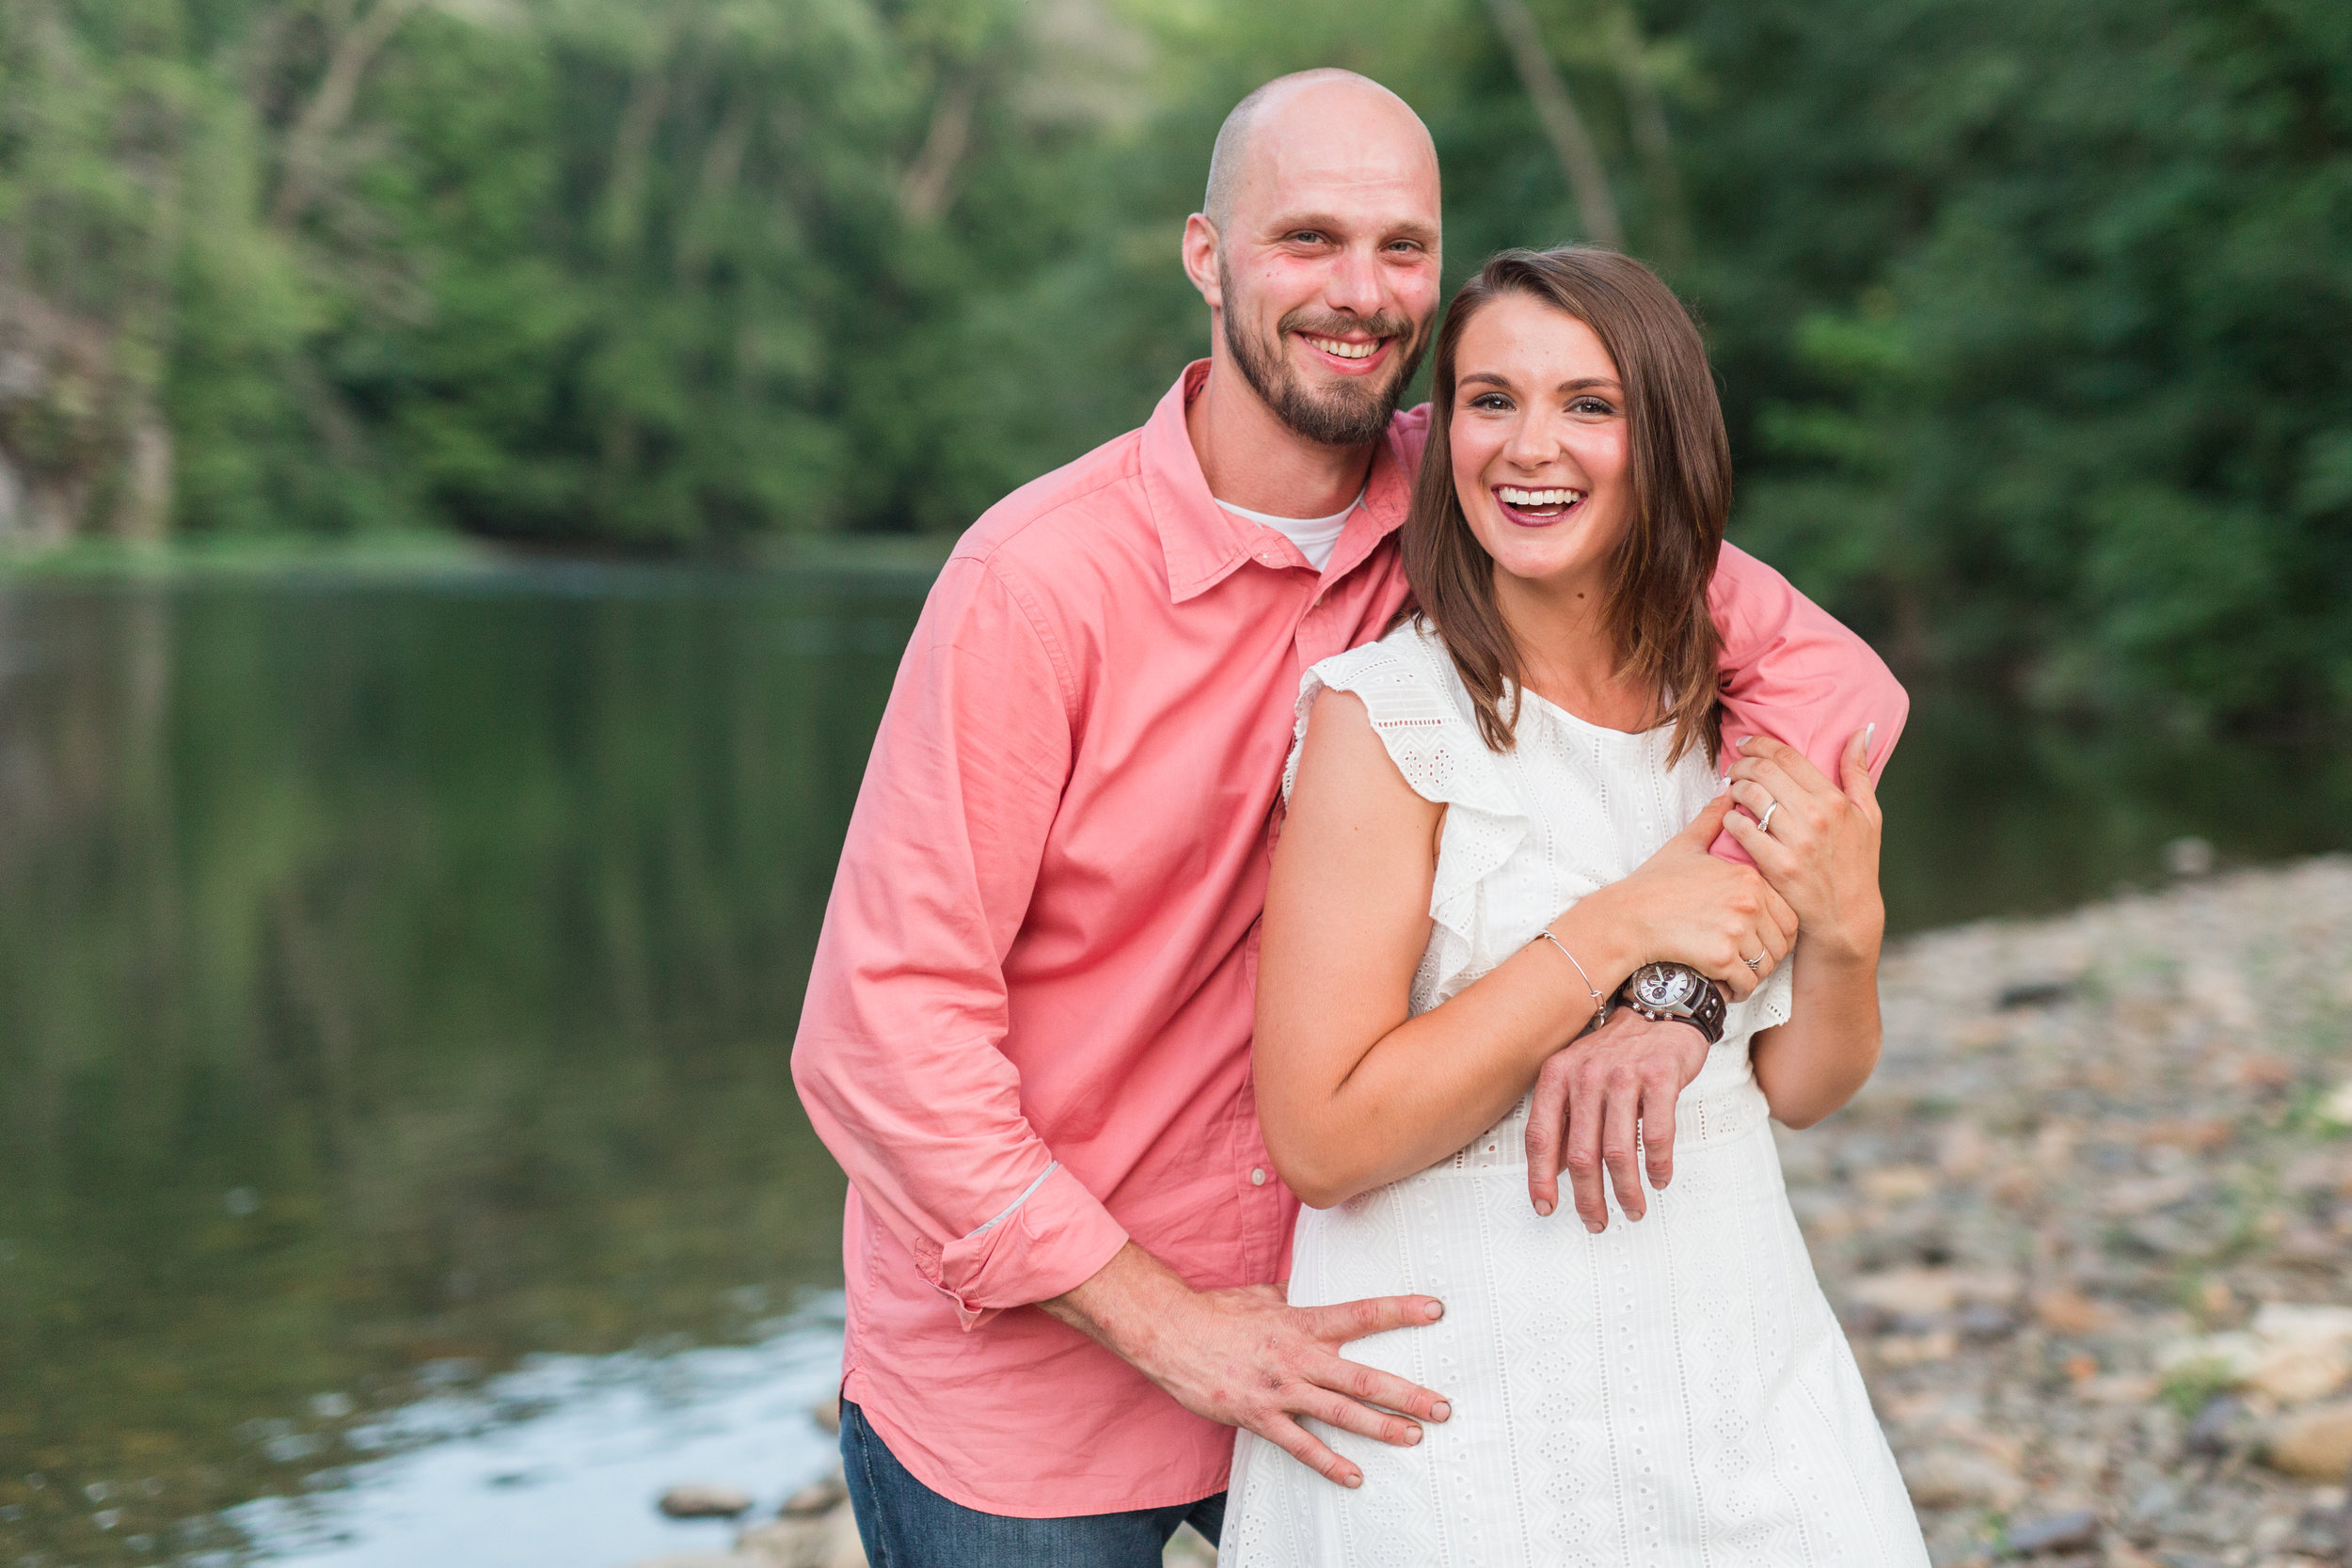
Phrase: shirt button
(1257, 1176)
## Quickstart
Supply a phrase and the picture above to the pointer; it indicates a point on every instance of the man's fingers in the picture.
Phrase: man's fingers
(1547, 1123)
(1301, 1444)
(1354, 1320)
(1372, 1386)
(1620, 1142)
(1583, 1161)
(1657, 1130)
(1352, 1416)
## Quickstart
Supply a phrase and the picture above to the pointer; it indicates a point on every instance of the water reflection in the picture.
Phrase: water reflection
(394, 980)
(396, 985)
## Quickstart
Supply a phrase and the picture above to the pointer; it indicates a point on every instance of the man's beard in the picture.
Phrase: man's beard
(1348, 415)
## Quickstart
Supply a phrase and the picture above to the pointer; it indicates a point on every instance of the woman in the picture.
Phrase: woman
(1498, 812)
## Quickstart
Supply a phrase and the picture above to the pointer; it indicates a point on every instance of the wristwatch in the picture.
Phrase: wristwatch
(1677, 992)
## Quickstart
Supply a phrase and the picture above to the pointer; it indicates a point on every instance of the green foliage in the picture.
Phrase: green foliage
(2028, 314)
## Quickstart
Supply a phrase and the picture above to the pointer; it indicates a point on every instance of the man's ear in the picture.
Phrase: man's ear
(1200, 242)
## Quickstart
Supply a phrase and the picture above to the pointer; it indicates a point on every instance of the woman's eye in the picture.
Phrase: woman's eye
(1591, 405)
(1492, 401)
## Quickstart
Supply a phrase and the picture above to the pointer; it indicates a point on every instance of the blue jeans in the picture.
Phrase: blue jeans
(905, 1524)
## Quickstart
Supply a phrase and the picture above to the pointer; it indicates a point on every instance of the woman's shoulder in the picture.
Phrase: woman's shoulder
(1402, 671)
(1416, 706)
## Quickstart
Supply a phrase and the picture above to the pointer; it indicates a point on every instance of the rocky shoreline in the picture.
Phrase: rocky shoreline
(2090, 1227)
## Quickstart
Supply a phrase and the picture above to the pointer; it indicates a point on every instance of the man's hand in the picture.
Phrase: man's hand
(1589, 1099)
(1241, 1356)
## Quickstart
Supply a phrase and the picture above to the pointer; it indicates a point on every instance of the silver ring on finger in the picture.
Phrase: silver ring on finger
(1765, 821)
(1756, 965)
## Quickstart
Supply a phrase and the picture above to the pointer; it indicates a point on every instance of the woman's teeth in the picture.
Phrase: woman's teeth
(1533, 500)
(1347, 351)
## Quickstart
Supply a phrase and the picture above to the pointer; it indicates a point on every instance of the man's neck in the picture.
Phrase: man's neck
(1252, 459)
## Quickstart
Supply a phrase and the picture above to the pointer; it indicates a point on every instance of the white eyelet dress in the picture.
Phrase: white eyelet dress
(1668, 1393)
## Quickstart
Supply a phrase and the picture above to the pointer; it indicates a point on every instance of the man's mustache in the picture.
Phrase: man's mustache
(1317, 326)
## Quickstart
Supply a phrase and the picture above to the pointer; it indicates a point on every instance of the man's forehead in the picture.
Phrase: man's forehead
(1341, 153)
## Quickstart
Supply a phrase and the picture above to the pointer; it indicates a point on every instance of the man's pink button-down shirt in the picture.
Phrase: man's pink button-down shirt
(1026, 1035)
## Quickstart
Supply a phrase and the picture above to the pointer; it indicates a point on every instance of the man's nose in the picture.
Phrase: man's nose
(1354, 283)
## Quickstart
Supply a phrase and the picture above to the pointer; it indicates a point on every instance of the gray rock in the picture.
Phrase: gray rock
(2061, 1532)
(696, 1500)
(821, 1497)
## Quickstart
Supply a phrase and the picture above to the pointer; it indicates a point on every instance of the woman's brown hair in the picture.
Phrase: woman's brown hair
(1680, 470)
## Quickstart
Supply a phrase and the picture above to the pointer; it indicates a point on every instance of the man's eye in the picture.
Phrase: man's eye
(1308, 236)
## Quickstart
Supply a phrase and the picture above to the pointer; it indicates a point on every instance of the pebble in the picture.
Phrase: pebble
(2074, 1531)
(701, 1501)
(2315, 1443)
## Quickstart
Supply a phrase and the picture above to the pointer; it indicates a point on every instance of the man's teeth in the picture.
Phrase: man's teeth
(1347, 351)
(1538, 497)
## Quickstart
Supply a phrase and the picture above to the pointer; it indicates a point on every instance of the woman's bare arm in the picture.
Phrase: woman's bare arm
(1354, 1093)
(1822, 855)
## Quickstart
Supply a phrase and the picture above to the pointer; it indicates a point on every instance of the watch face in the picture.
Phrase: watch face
(1664, 986)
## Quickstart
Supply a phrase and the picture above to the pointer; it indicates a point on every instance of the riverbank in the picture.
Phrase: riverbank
(2090, 1227)
(896, 561)
(2070, 1220)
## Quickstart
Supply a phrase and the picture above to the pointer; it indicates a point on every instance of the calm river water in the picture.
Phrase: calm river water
(398, 1162)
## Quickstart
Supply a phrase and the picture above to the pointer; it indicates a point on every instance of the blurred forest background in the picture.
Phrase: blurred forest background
(2032, 318)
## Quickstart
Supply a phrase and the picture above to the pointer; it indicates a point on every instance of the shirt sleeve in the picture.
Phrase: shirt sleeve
(1791, 671)
(899, 1057)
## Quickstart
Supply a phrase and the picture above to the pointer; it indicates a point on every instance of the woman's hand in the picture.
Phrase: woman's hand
(1821, 850)
(1683, 905)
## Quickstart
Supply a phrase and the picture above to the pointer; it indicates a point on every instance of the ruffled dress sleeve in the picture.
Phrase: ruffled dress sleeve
(1407, 684)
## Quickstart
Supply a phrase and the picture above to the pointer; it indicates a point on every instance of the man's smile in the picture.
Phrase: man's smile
(1347, 355)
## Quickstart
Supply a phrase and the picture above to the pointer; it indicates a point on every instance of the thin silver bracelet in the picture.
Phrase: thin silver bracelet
(1600, 1002)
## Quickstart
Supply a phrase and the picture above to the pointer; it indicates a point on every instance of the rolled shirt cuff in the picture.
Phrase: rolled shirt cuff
(1054, 1237)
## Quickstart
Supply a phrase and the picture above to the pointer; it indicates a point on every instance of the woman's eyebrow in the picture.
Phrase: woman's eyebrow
(1583, 383)
(1484, 378)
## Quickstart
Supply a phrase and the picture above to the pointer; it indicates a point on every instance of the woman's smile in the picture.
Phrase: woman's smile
(1536, 506)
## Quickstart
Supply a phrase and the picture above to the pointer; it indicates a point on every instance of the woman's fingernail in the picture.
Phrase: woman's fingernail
(1544, 1209)
(1868, 732)
(1352, 1479)
(1437, 1310)
(1596, 1226)
(1441, 1411)
(1412, 1436)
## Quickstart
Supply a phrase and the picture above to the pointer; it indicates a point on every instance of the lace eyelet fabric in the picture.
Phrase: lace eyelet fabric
(1667, 1394)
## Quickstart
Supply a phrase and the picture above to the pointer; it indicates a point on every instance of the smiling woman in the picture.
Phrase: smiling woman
(1499, 812)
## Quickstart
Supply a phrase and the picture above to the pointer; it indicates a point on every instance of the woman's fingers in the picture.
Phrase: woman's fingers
(1794, 764)
(1620, 1141)
(1854, 769)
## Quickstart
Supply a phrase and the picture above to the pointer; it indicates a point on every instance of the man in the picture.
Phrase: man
(1028, 1031)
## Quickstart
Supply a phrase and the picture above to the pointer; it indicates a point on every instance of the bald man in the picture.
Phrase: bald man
(1028, 1030)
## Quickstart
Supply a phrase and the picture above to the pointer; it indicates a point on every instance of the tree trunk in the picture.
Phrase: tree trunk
(1596, 209)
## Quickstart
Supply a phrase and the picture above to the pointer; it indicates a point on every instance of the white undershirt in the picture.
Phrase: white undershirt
(1316, 537)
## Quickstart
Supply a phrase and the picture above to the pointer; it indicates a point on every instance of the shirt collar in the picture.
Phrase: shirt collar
(1204, 544)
